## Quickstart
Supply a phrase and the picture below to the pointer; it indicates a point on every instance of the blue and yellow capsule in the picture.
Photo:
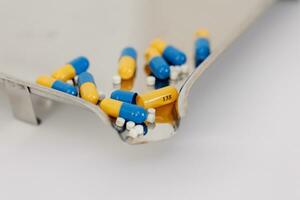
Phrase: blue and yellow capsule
(124, 96)
(158, 66)
(73, 68)
(87, 88)
(130, 112)
(202, 46)
(127, 63)
(172, 55)
(59, 85)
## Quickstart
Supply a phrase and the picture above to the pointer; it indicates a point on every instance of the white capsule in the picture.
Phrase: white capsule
(150, 80)
(151, 118)
(130, 125)
(151, 111)
(116, 79)
(184, 69)
(120, 122)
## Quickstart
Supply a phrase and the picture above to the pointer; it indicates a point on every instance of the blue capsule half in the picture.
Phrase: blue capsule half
(159, 68)
(174, 56)
(64, 87)
(80, 64)
(133, 113)
(129, 51)
(59, 85)
(202, 50)
(124, 96)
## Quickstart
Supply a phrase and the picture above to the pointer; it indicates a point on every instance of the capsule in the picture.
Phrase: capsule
(70, 70)
(127, 63)
(59, 85)
(87, 88)
(124, 96)
(202, 46)
(158, 98)
(129, 112)
(172, 55)
(158, 66)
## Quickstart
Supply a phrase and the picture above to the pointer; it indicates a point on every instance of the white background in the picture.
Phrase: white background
(243, 142)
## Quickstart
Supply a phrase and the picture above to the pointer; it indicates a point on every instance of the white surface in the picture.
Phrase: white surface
(241, 143)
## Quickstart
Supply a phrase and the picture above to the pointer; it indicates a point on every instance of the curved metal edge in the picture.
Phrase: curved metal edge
(54, 95)
(186, 87)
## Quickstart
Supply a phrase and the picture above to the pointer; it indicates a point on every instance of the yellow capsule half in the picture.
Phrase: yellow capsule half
(45, 81)
(151, 53)
(158, 98)
(87, 87)
(88, 92)
(202, 33)
(158, 44)
(64, 73)
(111, 107)
(127, 67)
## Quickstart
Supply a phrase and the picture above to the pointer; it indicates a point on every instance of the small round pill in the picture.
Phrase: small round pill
(174, 73)
(151, 80)
(139, 130)
(184, 69)
(151, 111)
(151, 118)
(133, 133)
(116, 79)
(130, 125)
(120, 122)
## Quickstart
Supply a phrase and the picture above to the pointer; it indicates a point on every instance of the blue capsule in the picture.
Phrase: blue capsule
(124, 96)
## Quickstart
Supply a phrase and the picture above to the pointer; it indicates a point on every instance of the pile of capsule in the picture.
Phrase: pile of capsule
(164, 61)
(131, 111)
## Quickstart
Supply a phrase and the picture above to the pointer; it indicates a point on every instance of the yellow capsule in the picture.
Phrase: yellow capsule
(159, 44)
(65, 73)
(202, 33)
(158, 98)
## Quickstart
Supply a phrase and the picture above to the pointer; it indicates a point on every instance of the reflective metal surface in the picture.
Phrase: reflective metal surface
(48, 34)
